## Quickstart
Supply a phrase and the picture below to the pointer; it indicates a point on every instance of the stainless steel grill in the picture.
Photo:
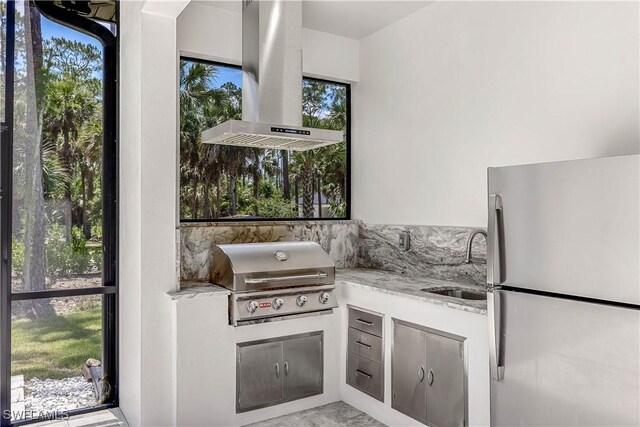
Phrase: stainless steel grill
(275, 281)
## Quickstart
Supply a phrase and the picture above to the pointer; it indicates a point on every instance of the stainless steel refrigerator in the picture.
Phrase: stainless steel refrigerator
(563, 270)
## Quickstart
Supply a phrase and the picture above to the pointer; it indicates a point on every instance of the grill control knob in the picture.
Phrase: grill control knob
(277, 303)
(252, 306)
(301, 300)
(324, 297)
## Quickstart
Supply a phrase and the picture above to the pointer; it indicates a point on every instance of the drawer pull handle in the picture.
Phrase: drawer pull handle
(359, 372)
(364, 322)
(363, 344)
(430, 378)
(286, 368)
(277, 370)
(421, 374)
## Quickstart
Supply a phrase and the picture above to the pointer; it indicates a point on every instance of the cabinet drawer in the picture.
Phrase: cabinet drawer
(365, 345)
(365, 375)
(364, 321)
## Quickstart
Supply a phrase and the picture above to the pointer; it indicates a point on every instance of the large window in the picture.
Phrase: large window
(58, 294)
(220, 182)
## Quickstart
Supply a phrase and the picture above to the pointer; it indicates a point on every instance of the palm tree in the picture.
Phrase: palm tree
(335, 158)
(195, 96)
(67, 106)
(307, 164)
(87, 150)
(303, 170)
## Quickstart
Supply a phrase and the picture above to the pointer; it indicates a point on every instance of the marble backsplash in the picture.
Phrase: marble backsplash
(338, 238)
(437, 252)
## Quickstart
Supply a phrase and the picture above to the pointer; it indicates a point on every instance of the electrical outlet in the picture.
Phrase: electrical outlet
(404, 240)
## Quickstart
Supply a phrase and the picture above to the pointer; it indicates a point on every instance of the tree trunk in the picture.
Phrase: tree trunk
(297, 196)
(88, 204)
(217, 214)
(206, 205)
(34, 257)
(194, 200)
(307, 192)
(286, 186)
(233, 190)
(319, 198)
(256, 181)
(278, 169)
(65, 160)
(83, 184)
(343, 188)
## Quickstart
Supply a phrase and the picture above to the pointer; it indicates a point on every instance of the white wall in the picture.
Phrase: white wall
(461, 86)
(130, 350)
(148, 134)
(213, 33)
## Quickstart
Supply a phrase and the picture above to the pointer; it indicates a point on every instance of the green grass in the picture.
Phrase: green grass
(56, 346)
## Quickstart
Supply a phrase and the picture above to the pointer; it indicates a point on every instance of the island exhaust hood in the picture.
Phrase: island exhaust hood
(271, 83)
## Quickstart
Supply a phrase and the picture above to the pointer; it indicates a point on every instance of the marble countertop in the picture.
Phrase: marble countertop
(403, 285)
(409, 286)
(197, 289)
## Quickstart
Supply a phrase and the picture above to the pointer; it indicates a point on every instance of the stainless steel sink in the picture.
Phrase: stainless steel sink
(462, 293)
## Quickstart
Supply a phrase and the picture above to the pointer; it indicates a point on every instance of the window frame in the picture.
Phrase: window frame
(109, 287)
(347, 216)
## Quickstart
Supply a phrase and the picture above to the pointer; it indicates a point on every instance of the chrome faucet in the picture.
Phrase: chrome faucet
(472, 236)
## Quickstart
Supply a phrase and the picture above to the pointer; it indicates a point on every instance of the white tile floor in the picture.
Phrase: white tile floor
(106, 418)
(336, 414)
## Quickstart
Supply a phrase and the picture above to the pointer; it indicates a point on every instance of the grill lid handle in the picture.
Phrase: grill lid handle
(286, 278)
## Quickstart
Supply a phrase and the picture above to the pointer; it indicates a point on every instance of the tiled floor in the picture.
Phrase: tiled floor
(337, 414)
(107, 418)
(332, 415)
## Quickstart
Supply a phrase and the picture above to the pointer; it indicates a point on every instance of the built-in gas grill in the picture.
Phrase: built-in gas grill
(275, 281)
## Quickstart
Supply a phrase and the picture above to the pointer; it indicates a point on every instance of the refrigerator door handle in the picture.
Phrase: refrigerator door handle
(494, 316)
(494, 266)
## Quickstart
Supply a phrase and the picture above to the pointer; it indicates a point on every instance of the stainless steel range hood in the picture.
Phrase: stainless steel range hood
(271, 83)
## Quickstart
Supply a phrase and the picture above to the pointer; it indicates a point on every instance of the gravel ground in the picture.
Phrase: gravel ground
(51, 395)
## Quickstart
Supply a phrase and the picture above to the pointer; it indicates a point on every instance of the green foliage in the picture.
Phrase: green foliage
(338, 208)
(61, 258)
(276, 207)
(17, 257)
(64, 259)
(70, 59)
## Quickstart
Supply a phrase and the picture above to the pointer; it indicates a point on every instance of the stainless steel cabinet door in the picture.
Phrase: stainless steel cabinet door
(445, 381)
(303, 367)
(567, 363)
(259, 376)
(408, 375)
